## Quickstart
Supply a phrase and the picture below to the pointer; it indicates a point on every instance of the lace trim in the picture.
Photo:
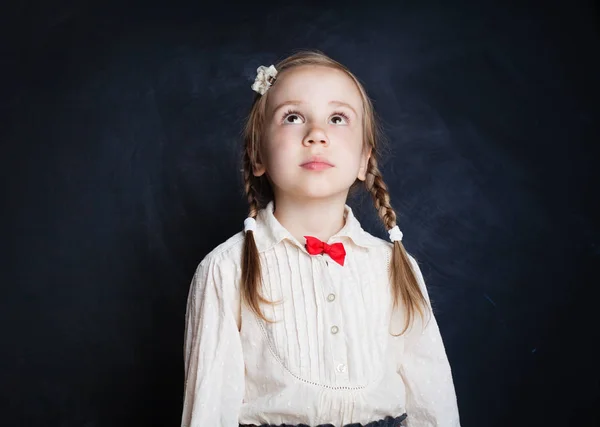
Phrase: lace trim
(274, 353)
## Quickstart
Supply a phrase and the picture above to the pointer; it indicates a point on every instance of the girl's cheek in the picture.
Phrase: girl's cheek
(342, 130)
(291, 134)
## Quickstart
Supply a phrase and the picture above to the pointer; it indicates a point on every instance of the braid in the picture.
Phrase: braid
(404, 284)
(249, 188)
(380, 194)
(251, 270)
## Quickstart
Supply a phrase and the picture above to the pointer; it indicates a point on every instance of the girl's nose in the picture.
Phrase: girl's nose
(314, 136)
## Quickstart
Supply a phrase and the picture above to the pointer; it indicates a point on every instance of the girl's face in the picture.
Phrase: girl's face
(313, 113)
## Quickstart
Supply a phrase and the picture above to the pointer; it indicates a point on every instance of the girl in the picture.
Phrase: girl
(304, 318)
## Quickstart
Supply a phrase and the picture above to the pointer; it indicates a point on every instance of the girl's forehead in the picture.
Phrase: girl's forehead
(309, 83)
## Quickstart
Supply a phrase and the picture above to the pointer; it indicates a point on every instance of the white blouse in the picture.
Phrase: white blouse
(329, 356)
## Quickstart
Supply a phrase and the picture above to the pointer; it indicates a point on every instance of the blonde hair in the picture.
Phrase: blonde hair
(404, 284)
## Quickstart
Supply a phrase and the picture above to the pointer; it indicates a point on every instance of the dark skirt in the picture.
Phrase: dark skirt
(386, 422)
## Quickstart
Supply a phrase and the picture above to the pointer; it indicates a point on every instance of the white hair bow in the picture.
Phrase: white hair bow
(265, 77)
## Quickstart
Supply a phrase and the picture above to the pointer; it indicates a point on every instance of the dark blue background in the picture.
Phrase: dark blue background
(120, 128)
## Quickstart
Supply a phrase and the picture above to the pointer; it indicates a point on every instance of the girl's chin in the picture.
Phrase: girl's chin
(314, 188)
(321, 192)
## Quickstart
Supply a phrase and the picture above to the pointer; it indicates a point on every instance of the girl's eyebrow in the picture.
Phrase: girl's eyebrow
(294, 102)
(283, 104)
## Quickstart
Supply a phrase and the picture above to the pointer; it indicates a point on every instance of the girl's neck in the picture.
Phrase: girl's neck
(320, 218)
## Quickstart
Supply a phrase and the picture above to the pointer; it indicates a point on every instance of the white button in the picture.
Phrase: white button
(335, 329)
(330, 297)
(341, 368)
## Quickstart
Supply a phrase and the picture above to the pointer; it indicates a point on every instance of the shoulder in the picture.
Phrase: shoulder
(374, 243)
(223, 260)
(217, 276)
(226, 251)
(386, 247)
(364, 238)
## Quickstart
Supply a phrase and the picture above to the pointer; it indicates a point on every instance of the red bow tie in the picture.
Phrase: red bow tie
(336, 251)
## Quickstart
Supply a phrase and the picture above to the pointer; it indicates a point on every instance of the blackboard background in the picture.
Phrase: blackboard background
(120, 140)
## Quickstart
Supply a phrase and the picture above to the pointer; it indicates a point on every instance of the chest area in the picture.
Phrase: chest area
(328, 323)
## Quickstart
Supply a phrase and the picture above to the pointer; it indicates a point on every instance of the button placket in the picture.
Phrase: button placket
(335, 327)
(331, 295)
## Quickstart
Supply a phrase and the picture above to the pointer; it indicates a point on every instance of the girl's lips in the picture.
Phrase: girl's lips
(316, 166)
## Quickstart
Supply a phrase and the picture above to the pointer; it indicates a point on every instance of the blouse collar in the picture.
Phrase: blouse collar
(270, 232)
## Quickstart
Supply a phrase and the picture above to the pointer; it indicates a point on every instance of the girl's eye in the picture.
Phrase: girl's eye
(340, 118)
(292, 117)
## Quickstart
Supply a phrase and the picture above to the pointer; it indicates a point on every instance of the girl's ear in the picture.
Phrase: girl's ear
(364, 164)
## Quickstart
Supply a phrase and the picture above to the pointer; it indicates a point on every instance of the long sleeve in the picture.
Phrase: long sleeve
(430, 395)
(214, 364)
